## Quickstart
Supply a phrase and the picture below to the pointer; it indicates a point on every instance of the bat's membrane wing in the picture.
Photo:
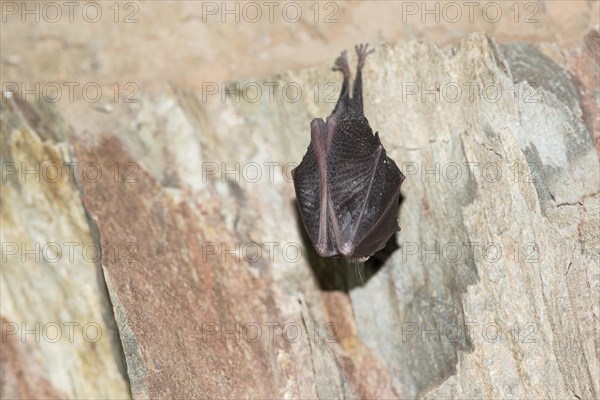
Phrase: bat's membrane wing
(311, 193)
(306, 177)
(364, 188)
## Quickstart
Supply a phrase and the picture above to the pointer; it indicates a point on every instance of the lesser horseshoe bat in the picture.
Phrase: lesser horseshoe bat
(347, 188)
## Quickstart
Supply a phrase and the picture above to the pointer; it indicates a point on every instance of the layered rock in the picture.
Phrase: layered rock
(491, 289)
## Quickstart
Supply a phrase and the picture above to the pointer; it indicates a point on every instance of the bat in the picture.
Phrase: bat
(347, 188)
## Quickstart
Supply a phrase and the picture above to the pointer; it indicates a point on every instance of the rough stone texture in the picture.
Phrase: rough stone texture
(21, 376)
(585, 66)
(53, 296)
(174, 293)
(183, 41)
(516, 310)
(542, 276)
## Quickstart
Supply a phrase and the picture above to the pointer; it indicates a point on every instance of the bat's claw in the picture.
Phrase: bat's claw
(362, 53)
(341, 63)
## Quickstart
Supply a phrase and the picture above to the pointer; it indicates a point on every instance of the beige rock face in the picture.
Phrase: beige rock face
(516, 233)
(195, 42)
(59, 337)
(491, 291)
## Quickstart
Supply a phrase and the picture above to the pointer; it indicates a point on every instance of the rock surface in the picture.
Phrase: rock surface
(195, 42)
(491, 290)
(59, 337)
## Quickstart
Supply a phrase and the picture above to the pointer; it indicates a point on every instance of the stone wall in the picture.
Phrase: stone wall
(143, 256)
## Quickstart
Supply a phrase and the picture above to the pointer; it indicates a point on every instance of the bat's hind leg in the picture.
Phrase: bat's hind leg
(341, 64)
(357, 101)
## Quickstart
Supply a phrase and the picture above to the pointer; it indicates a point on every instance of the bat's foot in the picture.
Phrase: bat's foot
(341, 64)
(362, 53)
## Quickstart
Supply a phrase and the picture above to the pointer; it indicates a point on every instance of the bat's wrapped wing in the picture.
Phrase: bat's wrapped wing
(364, 187)
(347, 189)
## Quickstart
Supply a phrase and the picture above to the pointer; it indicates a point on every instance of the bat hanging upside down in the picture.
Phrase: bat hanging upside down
(347, 188)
